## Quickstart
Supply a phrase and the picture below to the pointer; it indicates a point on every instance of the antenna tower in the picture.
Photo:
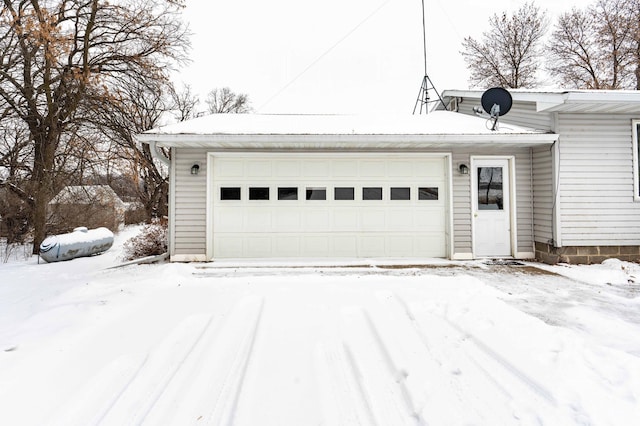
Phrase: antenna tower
(423, 95)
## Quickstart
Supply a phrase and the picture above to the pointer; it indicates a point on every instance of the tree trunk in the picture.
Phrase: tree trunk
(42, 184)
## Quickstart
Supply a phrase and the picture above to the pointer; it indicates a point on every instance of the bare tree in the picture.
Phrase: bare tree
(135, 108)
(220, 101)
(184, 102)
(509, 53)
(61, 56)
(597, 47)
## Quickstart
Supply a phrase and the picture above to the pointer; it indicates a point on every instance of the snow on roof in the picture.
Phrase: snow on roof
(434, 123)
(86, 194)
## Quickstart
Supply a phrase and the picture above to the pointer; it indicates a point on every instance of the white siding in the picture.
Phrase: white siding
(189, 222)
(461, 205)
(462, 235)
(596, 181)
(542, 195)
(521, 114)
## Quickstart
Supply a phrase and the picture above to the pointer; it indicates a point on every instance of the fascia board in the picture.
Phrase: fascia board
(191, 140)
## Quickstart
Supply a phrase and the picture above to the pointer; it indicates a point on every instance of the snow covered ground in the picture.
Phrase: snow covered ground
(448, 344)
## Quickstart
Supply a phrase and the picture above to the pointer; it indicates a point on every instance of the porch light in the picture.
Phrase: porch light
(464, 169)
(195, 169)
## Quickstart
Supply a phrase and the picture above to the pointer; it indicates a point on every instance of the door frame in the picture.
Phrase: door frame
(511, 160)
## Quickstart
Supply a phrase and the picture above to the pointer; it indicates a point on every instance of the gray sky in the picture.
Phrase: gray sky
(335, 56)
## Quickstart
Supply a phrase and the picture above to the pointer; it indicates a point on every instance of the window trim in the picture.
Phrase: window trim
(635, 131)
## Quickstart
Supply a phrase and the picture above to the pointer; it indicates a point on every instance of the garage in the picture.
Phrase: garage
(321, 205)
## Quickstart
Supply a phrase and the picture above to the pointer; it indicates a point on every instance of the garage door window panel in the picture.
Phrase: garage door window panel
(343, 193)
(287, 193)
(428, 193)
(372, 193)
(230, 193)
(316, 194)
(260, 193)
(401, 193)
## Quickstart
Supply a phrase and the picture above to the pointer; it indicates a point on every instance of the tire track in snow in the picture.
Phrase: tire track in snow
(498, 372)
(198, 367)
(381, 382)
(344, 399)
(209, 387)
(132, 383)
(139, 396)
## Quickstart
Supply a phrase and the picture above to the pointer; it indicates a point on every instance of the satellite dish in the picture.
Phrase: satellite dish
(496, 102)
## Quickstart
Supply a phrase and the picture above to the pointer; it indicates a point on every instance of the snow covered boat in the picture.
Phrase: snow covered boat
(79, 243)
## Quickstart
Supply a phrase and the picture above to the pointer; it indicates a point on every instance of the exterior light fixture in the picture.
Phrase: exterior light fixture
(195, 169)
(464, 169)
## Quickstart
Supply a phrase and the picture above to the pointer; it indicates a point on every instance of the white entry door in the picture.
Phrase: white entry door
(491, 207)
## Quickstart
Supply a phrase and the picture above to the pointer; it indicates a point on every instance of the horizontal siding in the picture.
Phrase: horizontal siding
(190, 203)
(524, 201)
(462, 237)
(189, 223)
(461, 205)
(596, 180)
(542, 195)
(521, 114)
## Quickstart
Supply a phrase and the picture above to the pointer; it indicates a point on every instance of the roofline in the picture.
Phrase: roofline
(549, 100)
(340, 140)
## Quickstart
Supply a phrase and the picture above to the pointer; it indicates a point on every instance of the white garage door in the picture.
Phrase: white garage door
(331, 206)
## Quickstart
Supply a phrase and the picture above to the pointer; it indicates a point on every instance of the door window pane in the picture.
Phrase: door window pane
(372, 193)
(316, 193)
(258, 193)
(490, 194)
(400, 193)
(287, 193)
(230, 193)
(428, 193)
(343, 193)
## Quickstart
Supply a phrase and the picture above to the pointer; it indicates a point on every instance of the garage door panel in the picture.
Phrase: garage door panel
(373, 220)
(343, 168)
(397, 168)
(372, 168)
(287, 245)
(317, 220)
(323, 226)
(287, 169)
(256, 168)
(287, 220)
(316, 168)
(372, 245)
(345, 219)
(345, 245)
(257, 220)
(316, 245)
(229, 246)
(401, 246)
(258, 246)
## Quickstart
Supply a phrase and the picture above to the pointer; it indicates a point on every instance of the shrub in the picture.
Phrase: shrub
(151, 241)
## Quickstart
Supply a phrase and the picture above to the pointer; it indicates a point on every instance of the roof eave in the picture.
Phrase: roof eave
(341, 141)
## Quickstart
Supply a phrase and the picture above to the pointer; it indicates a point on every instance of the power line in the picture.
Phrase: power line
(325, 53)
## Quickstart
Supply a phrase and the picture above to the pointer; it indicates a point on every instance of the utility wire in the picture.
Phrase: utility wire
(326, 52)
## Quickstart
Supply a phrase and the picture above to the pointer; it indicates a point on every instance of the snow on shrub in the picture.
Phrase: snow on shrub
(151, 241)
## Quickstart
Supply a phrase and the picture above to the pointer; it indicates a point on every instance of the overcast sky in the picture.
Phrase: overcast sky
(335, 56)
